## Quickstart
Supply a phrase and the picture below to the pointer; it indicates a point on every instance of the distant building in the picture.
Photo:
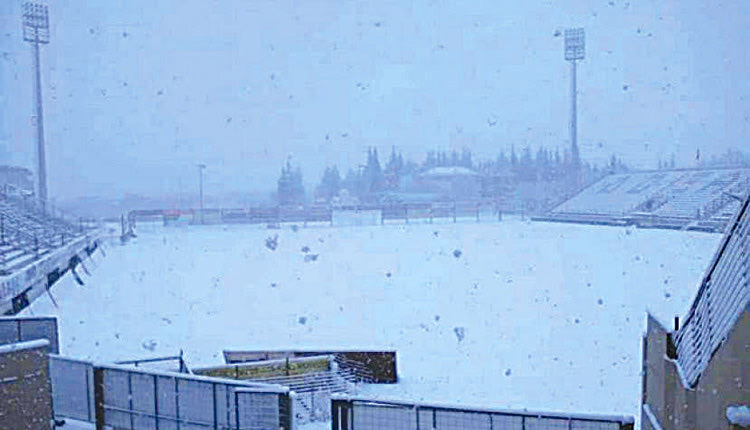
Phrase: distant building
(698, 376)
(450, 183)
(16, 180)
(344, 199)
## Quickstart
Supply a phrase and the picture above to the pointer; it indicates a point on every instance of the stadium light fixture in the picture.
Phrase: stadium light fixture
(201, 167)
(575, 44)
(36, 32)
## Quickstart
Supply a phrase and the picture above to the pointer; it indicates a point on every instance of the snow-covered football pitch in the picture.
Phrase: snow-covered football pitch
(512, 314)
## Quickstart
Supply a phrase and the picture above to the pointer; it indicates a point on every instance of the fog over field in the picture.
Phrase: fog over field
(156, 87)
(388, 175)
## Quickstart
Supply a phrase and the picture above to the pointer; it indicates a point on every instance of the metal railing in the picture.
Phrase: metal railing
(22, 329)
(348, 413)
(178, 359)
(28, 232)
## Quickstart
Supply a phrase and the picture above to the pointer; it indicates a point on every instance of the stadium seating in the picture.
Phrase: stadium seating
(27, 234)
(700, 199)
(36, 249)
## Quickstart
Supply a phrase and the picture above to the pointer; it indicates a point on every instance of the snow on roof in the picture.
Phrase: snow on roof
(450, 171)
(651, 418)
(739, 415)
(722, 297)
(25, 318)
(22, 346)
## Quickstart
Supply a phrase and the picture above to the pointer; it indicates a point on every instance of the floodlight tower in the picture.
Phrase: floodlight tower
(36, 31)
(575, 50)
(201, 167)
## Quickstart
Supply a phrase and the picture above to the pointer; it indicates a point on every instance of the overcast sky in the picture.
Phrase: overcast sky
(138, 92)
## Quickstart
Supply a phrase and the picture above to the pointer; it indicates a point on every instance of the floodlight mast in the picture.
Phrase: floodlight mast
(575, 49)
(201, 167)
(36, 31)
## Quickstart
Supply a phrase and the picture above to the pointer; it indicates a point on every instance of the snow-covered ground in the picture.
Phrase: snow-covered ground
(508, 315)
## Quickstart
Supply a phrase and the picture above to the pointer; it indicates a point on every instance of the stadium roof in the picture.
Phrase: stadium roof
(450, 171)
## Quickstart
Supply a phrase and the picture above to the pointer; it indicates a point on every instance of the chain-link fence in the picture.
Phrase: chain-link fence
(366, 414)
(15, 329)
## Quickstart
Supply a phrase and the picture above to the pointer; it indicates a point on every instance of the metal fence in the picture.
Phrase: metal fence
(479, 210)
(15, 329)
(367, 414)
(138, 399)
(72, 388)
(262, 410)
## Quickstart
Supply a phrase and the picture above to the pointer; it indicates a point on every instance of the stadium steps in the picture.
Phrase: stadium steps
(328, 381)
(12, 254)
(16, 260)
(302, 402)
(35, 230)
(29, 236)
(672, 199)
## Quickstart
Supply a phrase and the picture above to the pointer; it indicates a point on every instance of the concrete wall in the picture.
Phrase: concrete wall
(380, 365)
(655, 368)
(356, 218)
(725, 381)
(25, 390)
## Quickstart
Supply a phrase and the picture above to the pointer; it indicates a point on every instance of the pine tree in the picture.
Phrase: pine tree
(431, 160)
(373, 173)
(454, 158)
(393, 170)
(527, 165)
(330, 184)
(466, 158)
(290, 190)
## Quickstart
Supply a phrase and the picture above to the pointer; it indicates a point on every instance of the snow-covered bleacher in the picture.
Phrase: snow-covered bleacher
(701, 199)
(27, 234)
(36, 249)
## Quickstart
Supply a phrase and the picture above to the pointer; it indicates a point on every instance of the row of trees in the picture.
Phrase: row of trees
(367, 182)
(371, 179)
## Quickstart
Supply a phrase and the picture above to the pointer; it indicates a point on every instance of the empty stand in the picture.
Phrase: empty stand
(27, 233)
(36, 249)
(700, 199)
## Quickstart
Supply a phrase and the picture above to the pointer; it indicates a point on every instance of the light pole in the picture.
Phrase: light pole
(36, 31)
(201, 167)
(575, 50)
